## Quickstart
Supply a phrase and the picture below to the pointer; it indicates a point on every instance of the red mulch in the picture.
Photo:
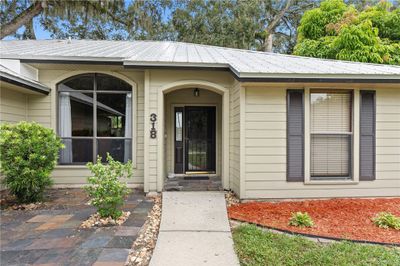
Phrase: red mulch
(340, 218)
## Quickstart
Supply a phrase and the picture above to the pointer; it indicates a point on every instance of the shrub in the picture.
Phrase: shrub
(106, 190)
(387, 220)
(29, 153)
(300, 219)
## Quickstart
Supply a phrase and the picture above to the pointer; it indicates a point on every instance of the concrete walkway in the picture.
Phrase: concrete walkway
(194, 231)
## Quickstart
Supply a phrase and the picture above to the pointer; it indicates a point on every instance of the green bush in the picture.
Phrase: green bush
(387, 220)
(106, 190)
(29, 153)
(300, 219)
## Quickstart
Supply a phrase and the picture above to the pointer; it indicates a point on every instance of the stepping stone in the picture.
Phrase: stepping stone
(96, 242)
(128, 231)
(60, 218)
(40, 219)
(113, 255)
(83, 256)
(121, 242)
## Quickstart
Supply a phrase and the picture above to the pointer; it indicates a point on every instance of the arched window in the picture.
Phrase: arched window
(94, 118)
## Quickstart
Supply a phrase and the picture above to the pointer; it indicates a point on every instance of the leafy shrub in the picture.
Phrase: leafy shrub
(106, 190)
(387, 220)
(29, 153)
(300, 219)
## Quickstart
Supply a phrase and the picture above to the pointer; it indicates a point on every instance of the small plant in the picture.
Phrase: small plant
(106, 190)
(300, 219)
(28, 154)
(387, 220)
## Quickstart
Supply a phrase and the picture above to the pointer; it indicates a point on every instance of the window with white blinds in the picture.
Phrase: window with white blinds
(331, 134)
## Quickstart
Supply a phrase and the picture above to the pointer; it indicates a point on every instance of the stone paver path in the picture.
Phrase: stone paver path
(194, 230)
(52, 236)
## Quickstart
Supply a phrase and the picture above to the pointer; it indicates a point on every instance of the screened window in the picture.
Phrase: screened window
(95, 118)
(331, 134)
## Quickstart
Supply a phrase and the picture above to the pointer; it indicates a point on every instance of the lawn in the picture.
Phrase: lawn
(258, 247)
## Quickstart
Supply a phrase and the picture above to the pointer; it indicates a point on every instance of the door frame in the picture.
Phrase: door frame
(218, 148)
(177, 85)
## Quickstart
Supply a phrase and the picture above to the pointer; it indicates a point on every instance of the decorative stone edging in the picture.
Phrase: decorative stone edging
(95, 220)
(312, 237)
(142, 248)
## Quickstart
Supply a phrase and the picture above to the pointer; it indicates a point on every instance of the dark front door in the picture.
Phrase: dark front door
(195, 152)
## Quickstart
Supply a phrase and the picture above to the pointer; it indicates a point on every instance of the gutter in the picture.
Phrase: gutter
(15, 80)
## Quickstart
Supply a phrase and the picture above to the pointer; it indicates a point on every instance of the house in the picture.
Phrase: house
(268, 125)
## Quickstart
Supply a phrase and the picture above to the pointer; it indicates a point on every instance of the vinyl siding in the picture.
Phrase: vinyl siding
(234, 149)
(265, 157)
(13, 105)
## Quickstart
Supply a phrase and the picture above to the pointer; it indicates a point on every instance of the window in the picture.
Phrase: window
(95, 117)
(331, 134)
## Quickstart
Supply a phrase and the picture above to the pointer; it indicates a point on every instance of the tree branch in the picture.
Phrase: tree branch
(271, 26)
(22, 19)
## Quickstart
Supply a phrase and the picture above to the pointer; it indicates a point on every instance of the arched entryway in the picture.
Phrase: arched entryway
(194, 123)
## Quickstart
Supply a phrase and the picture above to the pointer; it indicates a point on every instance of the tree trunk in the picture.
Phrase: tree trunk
(22, 19)
(272, 25)
(269, 45)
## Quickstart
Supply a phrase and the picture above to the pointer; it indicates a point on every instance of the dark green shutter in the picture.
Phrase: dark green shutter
(367, 135)
(295, 136)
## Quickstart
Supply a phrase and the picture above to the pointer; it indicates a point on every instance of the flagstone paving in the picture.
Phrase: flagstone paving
(52, 236)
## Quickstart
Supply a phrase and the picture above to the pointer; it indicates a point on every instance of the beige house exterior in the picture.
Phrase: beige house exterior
(251, 115)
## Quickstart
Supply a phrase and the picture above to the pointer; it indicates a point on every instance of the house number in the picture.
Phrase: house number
(153, 131)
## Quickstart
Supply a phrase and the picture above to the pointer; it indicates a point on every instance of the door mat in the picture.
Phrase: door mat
(197, 177)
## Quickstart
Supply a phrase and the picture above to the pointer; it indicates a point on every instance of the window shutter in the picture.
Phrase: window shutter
(367, 135)
(295, 136)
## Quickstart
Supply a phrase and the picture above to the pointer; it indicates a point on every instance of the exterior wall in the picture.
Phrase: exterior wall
(43, 109)
(234, 149)
(265, 149)
(185, 97)
(13, 105)
(157, 80)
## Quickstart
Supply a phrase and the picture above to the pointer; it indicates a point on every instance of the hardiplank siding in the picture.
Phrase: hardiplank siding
(13, 105)
(266, 149)
(43, 110)
(260, 171)
(234, 149)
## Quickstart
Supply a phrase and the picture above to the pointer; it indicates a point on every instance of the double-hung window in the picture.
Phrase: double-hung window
(331, 134)
(94, 118)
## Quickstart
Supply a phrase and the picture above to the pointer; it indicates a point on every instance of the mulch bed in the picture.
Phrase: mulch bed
(335, 218)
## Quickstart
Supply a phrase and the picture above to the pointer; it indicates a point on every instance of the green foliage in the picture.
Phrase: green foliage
(257, 247)
(29, 153)
(387, 220)
(106, 190)
(300, 219)
(338, 31)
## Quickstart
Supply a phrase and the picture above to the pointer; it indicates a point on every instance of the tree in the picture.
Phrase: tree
(339, 31)
(253, 24)
(15, 14)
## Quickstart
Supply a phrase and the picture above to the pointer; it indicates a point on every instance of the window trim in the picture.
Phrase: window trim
(133, 92)
(354, 156)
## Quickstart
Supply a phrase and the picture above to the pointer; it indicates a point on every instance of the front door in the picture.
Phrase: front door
(195, 150)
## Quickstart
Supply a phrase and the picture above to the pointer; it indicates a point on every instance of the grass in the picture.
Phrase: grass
(257, 247)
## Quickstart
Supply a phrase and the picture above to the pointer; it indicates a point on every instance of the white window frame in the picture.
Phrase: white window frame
(355, 142)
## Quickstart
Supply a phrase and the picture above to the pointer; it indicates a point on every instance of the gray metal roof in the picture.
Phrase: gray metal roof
(7, 75)
(243, 63)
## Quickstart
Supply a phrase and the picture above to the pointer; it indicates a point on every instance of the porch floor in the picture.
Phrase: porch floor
(181, 184)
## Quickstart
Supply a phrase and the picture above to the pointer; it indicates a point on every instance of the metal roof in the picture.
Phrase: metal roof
(243, 63)
(9, 76)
